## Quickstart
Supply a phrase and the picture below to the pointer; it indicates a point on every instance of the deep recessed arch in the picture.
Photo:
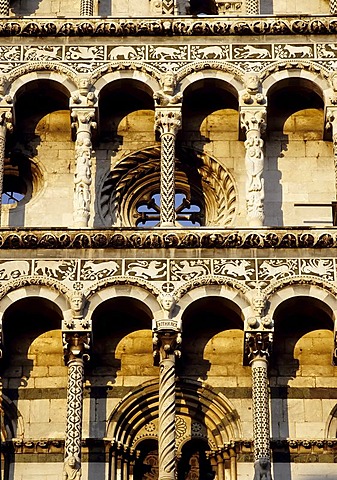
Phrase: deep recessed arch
(215, 418)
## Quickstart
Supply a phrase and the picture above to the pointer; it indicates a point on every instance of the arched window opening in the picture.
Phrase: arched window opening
(14, 189)
(187, 214)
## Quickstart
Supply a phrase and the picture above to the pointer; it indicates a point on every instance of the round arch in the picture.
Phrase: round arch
(229, 77)
(286, 289)
(63, 81)
(28, 287)
(311, 79)
(201, 414)
(331, 425)
(233, 292)
(115, 288)
(145, 81)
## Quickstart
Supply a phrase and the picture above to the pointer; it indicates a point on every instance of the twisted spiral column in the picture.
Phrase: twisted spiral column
(333, 7)
(4, 8)
(168, 122)
(166, 425)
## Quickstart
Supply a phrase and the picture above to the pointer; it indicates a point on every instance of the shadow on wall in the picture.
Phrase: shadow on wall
(266, 7)
(302, 350)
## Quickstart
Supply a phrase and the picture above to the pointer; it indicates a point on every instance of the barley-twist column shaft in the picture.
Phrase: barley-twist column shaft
(166, 426)
(333, 7)
(168, 122)
(4, 8)
(5, 126)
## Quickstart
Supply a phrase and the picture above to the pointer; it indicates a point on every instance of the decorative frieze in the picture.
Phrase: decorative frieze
(141, 238)
(305, 25)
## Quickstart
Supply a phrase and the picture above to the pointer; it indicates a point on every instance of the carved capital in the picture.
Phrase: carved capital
(76, 346)
(168, 120)
(253, 118)
(258, 345)
(6, 119)
(166, 95)
(83, 120)
(166, 345)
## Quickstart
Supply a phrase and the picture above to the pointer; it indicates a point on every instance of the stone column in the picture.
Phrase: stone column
(331, 122)
(253, 123)
(258, 345)
(252, 7)
(5, 126)
(76, 346)
(4, 8)
(83, 122)
(168, 123)
(87, 8)
(333, 7)
(166, 341)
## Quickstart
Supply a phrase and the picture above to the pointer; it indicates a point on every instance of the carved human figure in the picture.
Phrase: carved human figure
(76, 303)
(165, 96)
(167, 302)
(259, 302)
(262, 469)
(252, 83)
(72, 469)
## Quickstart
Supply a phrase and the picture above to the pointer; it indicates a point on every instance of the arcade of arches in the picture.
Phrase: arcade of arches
(168, 275)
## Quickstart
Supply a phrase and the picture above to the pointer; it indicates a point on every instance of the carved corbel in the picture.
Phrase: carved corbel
(76, 321)
(259, 320)
(166, 330)
(166, 96)
(253, 95)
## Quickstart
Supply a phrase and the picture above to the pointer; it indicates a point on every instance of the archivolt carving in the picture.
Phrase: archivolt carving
(127, 65)
(211, 280)
(211, 65)
(212, 411)
(31, 66)
(26, 280)
(108, 282)
(117, 202)
(274, 287)
(292, 64)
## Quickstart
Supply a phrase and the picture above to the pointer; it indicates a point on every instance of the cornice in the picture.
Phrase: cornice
(168, 26)
(63, 238)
